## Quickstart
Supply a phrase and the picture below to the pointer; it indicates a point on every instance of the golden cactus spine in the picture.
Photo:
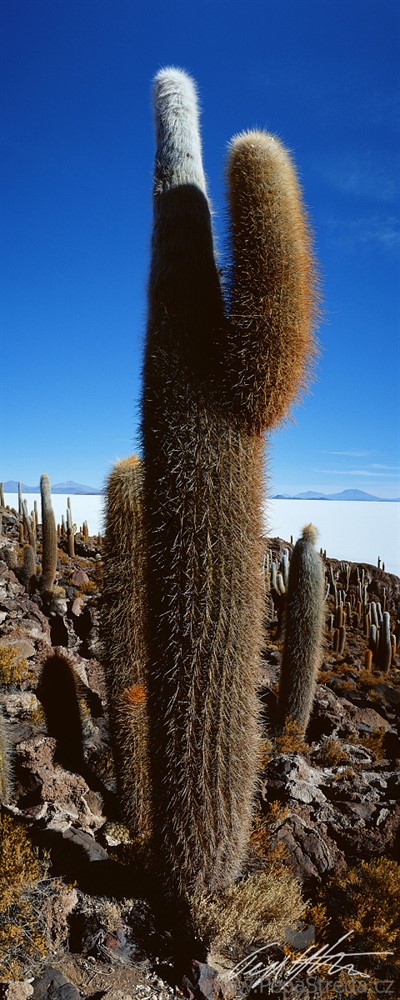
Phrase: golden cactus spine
(124, 644)
(212, 383)
(302, 650)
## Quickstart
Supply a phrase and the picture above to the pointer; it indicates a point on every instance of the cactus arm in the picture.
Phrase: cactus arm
(185, 300)
(273, 300)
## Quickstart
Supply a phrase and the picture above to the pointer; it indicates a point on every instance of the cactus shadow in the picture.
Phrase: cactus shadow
(58, 696)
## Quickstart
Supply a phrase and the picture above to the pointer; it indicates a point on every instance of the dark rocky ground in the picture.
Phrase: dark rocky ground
(325, 805)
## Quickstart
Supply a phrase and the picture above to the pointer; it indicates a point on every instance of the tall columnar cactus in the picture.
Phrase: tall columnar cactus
(216, 375)
(303, 635)
(124, 644)
(49, 537)
(5, 774)
(384, 651)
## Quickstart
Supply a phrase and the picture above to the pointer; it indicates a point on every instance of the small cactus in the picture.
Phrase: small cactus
(302, 650)
(29, 568)
(368, 659)
(342, 639)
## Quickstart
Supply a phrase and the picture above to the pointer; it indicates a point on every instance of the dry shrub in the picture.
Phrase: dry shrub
(292, 739)
(250, 913)
(374, 741)
(63, 558)
(14, 668)
(330, 753)
(317, 916)
(21, 936)
(264, 825)
(367, 899)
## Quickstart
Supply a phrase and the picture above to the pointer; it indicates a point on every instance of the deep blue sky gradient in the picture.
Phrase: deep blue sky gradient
(77, 149)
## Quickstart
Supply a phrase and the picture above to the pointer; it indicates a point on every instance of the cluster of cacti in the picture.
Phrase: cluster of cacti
(353, 607)
(28, 537)
(69, 531)
(276, 578)
(304, 623)
(216, 375)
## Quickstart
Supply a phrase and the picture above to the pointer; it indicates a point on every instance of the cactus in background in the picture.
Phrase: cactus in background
(29, 568)
(285, 565)
(70, 532)
(384, 650)
(49, 537)
(124, 645)
(212, 385)
(5, 773)
(2, 504)
(302, 650)
(29, 526)
(36, 513)
(368, 659)
(342, 639)
(373, 639)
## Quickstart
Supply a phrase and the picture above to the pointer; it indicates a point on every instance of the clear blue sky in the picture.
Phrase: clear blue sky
(77, 149)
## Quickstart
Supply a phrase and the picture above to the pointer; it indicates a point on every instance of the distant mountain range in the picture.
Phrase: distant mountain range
(72, 488)
(69, 487)
(344, 495)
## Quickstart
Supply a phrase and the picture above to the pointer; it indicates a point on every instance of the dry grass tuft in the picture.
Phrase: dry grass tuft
(250, 913)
